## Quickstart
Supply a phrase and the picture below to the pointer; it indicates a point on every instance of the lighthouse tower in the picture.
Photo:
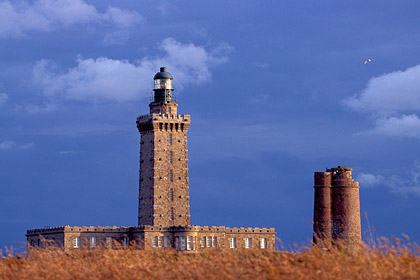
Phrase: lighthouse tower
(163, 186)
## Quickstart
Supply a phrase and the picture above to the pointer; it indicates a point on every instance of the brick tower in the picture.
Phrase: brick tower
(336, 207)
(163, 186)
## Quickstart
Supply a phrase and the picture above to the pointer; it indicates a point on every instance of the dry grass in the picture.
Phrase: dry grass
(385, 260)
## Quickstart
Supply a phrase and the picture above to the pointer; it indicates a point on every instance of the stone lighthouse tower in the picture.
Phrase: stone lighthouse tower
(163, 186)
(336, 207)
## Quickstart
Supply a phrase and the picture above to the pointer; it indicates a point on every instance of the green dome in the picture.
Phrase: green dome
(163, 74)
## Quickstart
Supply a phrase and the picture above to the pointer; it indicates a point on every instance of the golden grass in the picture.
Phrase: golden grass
(385, 260)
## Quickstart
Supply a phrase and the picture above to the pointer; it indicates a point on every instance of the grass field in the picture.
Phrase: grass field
(384, 260)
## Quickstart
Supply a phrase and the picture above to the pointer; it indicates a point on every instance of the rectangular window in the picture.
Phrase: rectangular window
(108, 242)
(160, 241)
(170, 139)
(248, 243)
(190, 243)
(214, 241)
(172, 213)
(171, 176)
(171, 194)
(92, 242)
(155, 241)
(126, 241)
(165, 241)
(183, 245)
(203, 241)
(76, 242)
(263, 243)
(233, 243)
(170, 157)
(208, 241)
(177, 243)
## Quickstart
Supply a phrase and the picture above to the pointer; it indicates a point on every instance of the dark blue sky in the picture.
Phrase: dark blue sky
(276, 91)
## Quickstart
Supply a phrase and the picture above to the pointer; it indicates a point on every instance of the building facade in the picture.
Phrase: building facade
(164, 201)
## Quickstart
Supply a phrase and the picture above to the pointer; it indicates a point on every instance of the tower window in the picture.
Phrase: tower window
(171, 194)
(170, 139)
(168, 110)
(171, 176)
(172, 213)
(170, 157)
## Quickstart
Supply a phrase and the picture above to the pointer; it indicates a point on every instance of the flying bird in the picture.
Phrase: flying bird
(368, 60)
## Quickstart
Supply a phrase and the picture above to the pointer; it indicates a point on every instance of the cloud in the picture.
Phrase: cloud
(389, 93)
(369, 180)
(121, 80)
(9, 145)
(400, 185)
(401, 126)
(21, 17)
(3, 99)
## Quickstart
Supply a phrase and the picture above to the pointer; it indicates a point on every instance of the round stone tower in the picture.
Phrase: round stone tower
(322, 208)
(345, 206)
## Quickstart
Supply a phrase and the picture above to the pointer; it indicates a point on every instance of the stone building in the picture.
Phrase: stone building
(336, 207)
(164, 208)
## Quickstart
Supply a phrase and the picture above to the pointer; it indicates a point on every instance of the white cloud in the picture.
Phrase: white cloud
(402, 126)
(3, 99)
(369, 180)
(394, 92)
(9, 145)
(116, 37)
(21, 17)
(120, 80)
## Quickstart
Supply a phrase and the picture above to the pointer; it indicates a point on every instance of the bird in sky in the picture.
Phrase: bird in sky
(368, 60)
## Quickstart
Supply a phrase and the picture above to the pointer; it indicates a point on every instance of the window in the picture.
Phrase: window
(39, 242)
(182, 241)
(108, 242)
(233, 242)
(214, 241)
(92, 241)
(170, 139)
(171, 194)
(126, 241)
(155, 241)
(32, 243)
(203, 241)
(165, 241)
(160, 241)
(171, 176)
(177, 243)
(190, 243)
(76, 242)
(172, 213)
(248, 243)
(263, 243)
(170, 157)
(208, 241)
(168, 110)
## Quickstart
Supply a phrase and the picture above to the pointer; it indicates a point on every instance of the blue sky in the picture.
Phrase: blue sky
(276, 91)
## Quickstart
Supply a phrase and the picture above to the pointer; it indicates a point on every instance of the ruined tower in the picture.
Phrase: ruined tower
(336, 207)
(163, 186)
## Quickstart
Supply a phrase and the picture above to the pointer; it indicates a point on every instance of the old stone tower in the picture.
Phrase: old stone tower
(163, 192)
(336, 207)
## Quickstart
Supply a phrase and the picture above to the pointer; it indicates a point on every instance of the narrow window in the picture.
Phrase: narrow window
(233, 243)
(32, 243)
(170, 138)
(214, 241)
(168, 110)
(171, 176)
(203, 241)
(208, 241)
(263, 243)
(160, 241)
(177, 243)
(189, 243)
(155, 241)
(108, 242)
(172, 213)
(171, 194)
(92, 242)
(39, 242)
(161, 126)
(126, 241)
(76, 242)
(170, 157)
(248, 243)
(183, 245)
(165, 241)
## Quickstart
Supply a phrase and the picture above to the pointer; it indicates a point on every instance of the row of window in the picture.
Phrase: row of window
(93, 241)
(171, 127)
(188, 243)
(248, 243)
